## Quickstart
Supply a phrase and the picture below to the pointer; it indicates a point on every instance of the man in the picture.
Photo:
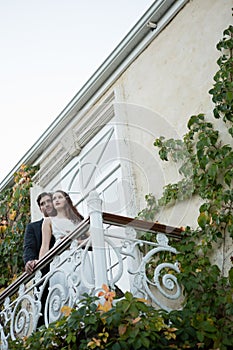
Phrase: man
(33, 240)
(33, 233)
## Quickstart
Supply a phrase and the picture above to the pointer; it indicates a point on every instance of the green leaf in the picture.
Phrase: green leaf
(208, 327)
(203, 219)
(204, 207)
(229, 96)
(228, 176)
(200, 336)
(195, 119)
(203, 161)
(231, 277)
(213, 170)
(116, 346)
(145, 342)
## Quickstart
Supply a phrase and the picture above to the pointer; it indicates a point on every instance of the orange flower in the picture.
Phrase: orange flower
(105, 307)
(107, 294)
(66, 310)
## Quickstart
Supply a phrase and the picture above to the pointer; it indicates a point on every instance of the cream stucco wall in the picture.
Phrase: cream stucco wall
(158, 93)
(174, 74)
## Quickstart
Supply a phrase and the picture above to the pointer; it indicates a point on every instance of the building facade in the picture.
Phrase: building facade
(155, 79)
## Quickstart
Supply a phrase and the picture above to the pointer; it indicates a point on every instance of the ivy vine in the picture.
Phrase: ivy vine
(15, 214)
(205, 164)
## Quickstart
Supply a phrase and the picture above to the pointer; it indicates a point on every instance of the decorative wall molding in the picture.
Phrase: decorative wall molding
(72, 140)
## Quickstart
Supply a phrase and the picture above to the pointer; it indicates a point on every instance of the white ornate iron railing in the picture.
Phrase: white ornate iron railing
(111, 254)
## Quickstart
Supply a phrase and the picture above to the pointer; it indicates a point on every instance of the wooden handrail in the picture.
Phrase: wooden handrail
(146, 226)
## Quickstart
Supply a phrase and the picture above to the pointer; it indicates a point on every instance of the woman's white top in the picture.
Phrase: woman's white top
(62, 227)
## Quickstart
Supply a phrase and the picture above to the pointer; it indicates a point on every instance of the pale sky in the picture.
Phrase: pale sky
(48, 50)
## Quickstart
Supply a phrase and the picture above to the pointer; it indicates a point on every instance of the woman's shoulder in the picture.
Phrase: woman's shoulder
(47, 220)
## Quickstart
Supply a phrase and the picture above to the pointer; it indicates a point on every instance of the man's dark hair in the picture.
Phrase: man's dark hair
(43, 194)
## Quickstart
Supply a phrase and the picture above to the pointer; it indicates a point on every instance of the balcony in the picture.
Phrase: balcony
(111, 253)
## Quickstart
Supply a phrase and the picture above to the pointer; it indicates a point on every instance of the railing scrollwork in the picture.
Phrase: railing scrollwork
(114, 257)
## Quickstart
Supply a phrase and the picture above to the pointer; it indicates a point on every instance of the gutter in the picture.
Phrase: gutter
(154, 20)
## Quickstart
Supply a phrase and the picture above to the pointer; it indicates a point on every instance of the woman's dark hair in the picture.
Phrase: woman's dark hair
(71, 211)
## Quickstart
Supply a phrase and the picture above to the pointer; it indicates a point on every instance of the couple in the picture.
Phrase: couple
(60, 218)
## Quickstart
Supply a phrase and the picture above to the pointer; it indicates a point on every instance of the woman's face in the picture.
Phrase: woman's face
(59, 201)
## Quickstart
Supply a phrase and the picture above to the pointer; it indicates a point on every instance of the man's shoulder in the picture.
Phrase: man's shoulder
(35, 223)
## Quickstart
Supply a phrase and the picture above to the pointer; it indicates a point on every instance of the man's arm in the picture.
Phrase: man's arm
(31, 251)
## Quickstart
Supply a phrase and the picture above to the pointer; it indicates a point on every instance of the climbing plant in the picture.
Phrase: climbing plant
(205, 163)
(14, 214)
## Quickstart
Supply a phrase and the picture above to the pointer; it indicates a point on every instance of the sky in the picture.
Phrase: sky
(48, 50)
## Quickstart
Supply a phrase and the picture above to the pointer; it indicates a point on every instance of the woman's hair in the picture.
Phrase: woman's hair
(71, 211)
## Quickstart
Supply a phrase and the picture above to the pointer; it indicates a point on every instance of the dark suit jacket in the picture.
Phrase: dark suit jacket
(33, 240)
(31, 250)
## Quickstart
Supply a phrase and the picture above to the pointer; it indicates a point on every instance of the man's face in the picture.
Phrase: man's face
(46, 205)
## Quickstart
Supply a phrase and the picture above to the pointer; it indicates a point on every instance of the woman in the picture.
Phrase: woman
(65, 221)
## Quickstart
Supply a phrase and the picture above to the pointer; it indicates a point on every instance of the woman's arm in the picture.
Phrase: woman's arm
(46, 236)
